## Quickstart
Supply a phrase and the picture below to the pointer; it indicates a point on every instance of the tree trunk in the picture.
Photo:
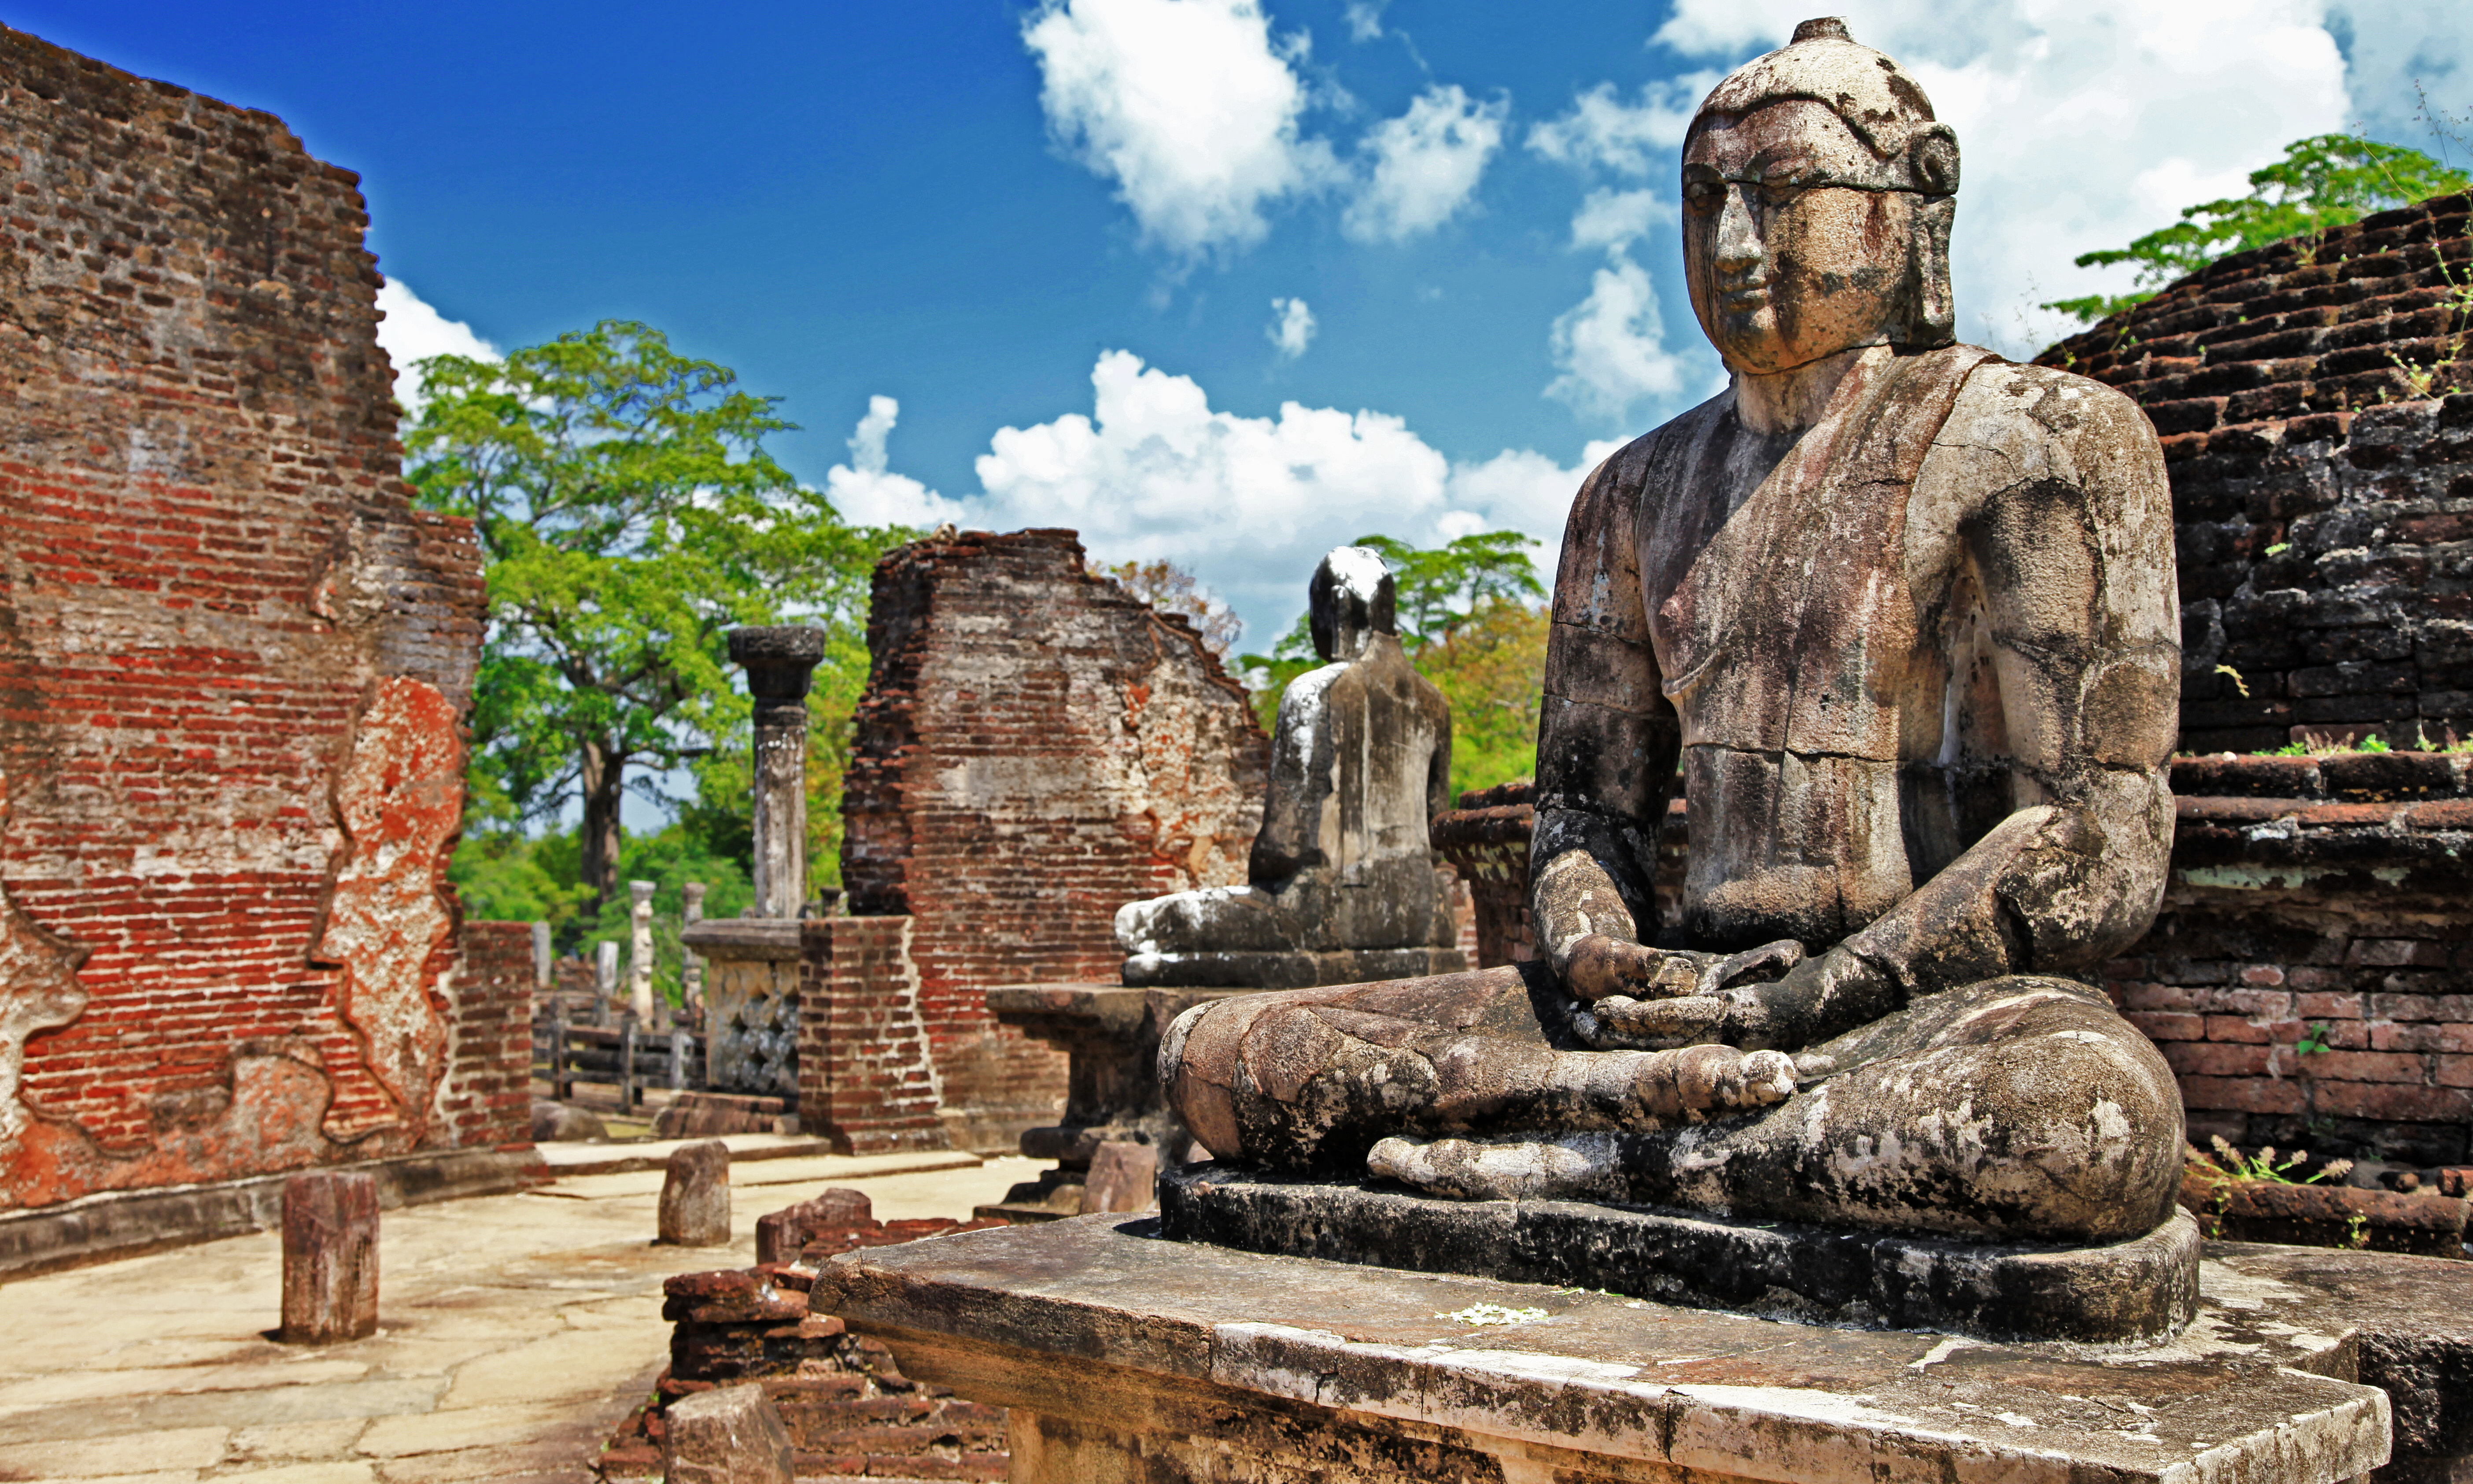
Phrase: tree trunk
(601, 780)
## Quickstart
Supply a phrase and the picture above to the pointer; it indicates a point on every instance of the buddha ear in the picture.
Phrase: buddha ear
(1932, 159)
(1933, 318)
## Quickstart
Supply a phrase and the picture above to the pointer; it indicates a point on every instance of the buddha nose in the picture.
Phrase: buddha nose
(1738, 234)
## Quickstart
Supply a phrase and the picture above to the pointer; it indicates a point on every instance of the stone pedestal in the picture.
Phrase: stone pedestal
(1111, 1034)
(751, 1003)
(1126, 1358)
(330, 1257)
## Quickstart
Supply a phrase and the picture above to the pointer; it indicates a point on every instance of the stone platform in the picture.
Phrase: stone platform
(2137, 1290)
(1125, 1356)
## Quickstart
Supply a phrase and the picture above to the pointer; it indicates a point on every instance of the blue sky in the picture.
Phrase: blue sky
(1065, 239)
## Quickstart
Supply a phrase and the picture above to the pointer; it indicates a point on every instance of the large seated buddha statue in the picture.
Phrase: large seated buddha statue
(1898, 617)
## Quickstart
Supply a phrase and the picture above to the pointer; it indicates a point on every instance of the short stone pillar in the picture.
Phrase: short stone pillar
(605, 980)
(330, 1257)
(695, 1196)
(1123, 1176)
(779, 660)
(639, 950)
(782, 1234)
(545, 959)
(690, 962)
(729, 1435)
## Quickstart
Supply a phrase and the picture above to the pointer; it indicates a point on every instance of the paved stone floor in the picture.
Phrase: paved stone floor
(514, 1333)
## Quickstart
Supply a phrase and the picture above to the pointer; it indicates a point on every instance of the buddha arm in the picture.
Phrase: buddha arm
(1607, 737)
(2068, 537)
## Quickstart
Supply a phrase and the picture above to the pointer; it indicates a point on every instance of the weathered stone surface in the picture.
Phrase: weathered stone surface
(1122, 1178)
(2141, 1289)
(781, 1235)
(1239, 1366)
(1037, 746)
(1900, 616)
(695, 1195)
(729, 1435)
(1341, 880)
(558, 1123)
(779, 660)
(330, 1257)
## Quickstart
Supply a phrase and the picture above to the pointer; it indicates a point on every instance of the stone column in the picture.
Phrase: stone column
(605, 980)
(330, 1257)
(543, 960)
(690, 962)
(639, 951)
(779, 661)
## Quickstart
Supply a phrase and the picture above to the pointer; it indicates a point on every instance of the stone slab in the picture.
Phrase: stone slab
(124, 1223)
(772, 940)
(1116, 1347)
(2137, 1290)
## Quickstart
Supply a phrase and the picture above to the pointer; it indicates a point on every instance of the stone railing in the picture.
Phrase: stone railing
(2311, 974)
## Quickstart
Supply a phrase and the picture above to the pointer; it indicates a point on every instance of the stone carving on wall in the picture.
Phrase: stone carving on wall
(1902, 614)
(1343, 884)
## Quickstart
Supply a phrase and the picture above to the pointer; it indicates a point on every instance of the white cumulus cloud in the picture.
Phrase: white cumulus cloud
(1618, 219)
(1365, 20)
(1293, 326)
(1190, 107)
(866, 494)
(413, 330)
(2086, 123)
(1602, 131)
(1611, 347)
(1423, 167)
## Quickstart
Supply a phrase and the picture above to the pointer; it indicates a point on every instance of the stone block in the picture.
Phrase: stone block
(780, 1235)
(1125, 1358)
(1122, 1179)
(729, 1435)
(695, 1196)
(330, 1257)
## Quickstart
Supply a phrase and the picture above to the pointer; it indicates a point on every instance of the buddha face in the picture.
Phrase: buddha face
(1784, 267)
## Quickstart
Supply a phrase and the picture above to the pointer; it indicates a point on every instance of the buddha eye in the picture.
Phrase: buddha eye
(1701, 195)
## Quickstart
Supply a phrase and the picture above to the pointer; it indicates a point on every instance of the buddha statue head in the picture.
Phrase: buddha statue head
(1817, 195)
(1351, 599)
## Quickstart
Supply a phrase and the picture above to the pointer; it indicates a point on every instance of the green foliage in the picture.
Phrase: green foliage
(508, 876)
(2263, 1165)
(629, 516)
(1172, 590)
(1469, 623)
(2322, 181)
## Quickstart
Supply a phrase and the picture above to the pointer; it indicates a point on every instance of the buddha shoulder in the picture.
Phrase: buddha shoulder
(2014, 423)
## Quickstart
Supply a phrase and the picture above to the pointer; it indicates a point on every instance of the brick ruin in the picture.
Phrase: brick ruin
(2315, 402)
(1036, 748)
(234, 664)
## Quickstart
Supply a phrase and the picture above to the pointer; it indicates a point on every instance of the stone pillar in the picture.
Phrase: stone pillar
(330, 1257)
(690, 962)
(639, 951)
(779, 661)
(544, 962)
(605, 980)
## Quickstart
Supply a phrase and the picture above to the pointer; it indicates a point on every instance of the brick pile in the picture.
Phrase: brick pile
(1036, 748)
(2315, 405)
(2327, 899)
(849, 1411)
(234, 663)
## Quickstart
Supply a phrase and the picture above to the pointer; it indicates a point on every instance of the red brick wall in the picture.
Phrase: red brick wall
(485, 1099)
(1036, 749)
(234, 661)
(2315, 402)
(866, 1077)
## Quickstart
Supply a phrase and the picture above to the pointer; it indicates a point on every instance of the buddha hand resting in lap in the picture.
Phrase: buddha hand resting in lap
(1903, 612)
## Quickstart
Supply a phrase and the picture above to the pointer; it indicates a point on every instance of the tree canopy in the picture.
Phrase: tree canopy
(628, 516)
(2322, 181)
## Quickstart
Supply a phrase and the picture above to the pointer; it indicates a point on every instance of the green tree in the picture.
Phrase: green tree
(1172, 590)
(1471, 623)
(629, 516)
(2322, 181)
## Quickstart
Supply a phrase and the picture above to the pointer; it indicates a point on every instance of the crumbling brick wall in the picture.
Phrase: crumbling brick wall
(2313, 399)
(867, 1078)
(485, 1097)
(234, 663)
(1036, 748)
